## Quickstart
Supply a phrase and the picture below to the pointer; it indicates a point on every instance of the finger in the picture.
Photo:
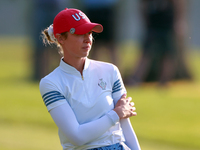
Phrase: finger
(130, 114)
(133, 109)
(128, 99)
(131, 104)
(134, 113)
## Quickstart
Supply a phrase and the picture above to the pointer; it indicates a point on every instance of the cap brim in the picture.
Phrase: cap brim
(87, 27)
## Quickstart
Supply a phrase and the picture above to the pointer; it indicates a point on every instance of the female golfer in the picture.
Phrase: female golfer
(86, 98)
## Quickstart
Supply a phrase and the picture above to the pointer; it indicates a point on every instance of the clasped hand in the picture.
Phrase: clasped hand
(125, 108)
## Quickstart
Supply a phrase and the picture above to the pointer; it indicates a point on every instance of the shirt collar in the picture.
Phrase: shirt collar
(70, 69)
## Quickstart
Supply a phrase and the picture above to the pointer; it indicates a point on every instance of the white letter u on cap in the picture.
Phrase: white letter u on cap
(78, 17)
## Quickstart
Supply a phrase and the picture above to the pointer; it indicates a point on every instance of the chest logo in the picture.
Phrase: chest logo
(102, 84)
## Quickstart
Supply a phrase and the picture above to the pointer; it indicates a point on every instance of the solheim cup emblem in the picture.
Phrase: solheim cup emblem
(102, 84)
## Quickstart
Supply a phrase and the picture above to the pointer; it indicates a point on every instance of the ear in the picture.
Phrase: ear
(60, 38)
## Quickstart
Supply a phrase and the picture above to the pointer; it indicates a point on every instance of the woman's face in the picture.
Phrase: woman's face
(77, 46)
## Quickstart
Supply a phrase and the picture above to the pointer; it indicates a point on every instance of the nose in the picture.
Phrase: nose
(88, 38)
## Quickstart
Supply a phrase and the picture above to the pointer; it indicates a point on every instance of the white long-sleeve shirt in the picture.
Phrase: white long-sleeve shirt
(82, 106)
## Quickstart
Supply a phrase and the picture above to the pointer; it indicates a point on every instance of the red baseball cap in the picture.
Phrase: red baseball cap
(75, 22)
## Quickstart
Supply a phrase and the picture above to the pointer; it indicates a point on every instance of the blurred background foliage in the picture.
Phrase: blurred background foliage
(168, 117)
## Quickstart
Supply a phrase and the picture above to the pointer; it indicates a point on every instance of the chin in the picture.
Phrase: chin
(87, 53)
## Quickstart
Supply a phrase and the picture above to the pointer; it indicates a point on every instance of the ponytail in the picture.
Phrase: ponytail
(48, 38)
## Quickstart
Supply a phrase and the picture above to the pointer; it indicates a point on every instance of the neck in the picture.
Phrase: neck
(78, 63)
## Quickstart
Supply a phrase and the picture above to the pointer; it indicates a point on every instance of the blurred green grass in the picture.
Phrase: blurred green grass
(168, 118)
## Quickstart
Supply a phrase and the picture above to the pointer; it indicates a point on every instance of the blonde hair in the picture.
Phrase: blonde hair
(48, 38)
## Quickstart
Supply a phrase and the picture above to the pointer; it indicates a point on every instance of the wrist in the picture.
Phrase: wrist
(113, 116)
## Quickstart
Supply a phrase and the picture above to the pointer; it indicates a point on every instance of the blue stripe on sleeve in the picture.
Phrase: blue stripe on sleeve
(117, 86)
(52, 97)
(50, 93)
(116, 82)
(116, 90)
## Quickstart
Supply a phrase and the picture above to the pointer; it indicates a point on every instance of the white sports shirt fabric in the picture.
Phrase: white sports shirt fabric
(82, 106)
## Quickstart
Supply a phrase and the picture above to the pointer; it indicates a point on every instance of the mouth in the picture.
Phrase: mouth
(87, 47)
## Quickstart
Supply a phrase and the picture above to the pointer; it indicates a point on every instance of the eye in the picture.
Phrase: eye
(90, 33)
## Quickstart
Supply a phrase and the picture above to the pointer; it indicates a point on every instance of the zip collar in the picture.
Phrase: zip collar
(70, 69)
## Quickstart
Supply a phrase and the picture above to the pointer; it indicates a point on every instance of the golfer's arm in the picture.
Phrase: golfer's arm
(66, 121)
(129, 134)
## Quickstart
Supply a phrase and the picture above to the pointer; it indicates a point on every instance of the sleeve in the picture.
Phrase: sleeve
(51, 95)
(118, 88)
(117, 91)
(77, 134)
(130, 137)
